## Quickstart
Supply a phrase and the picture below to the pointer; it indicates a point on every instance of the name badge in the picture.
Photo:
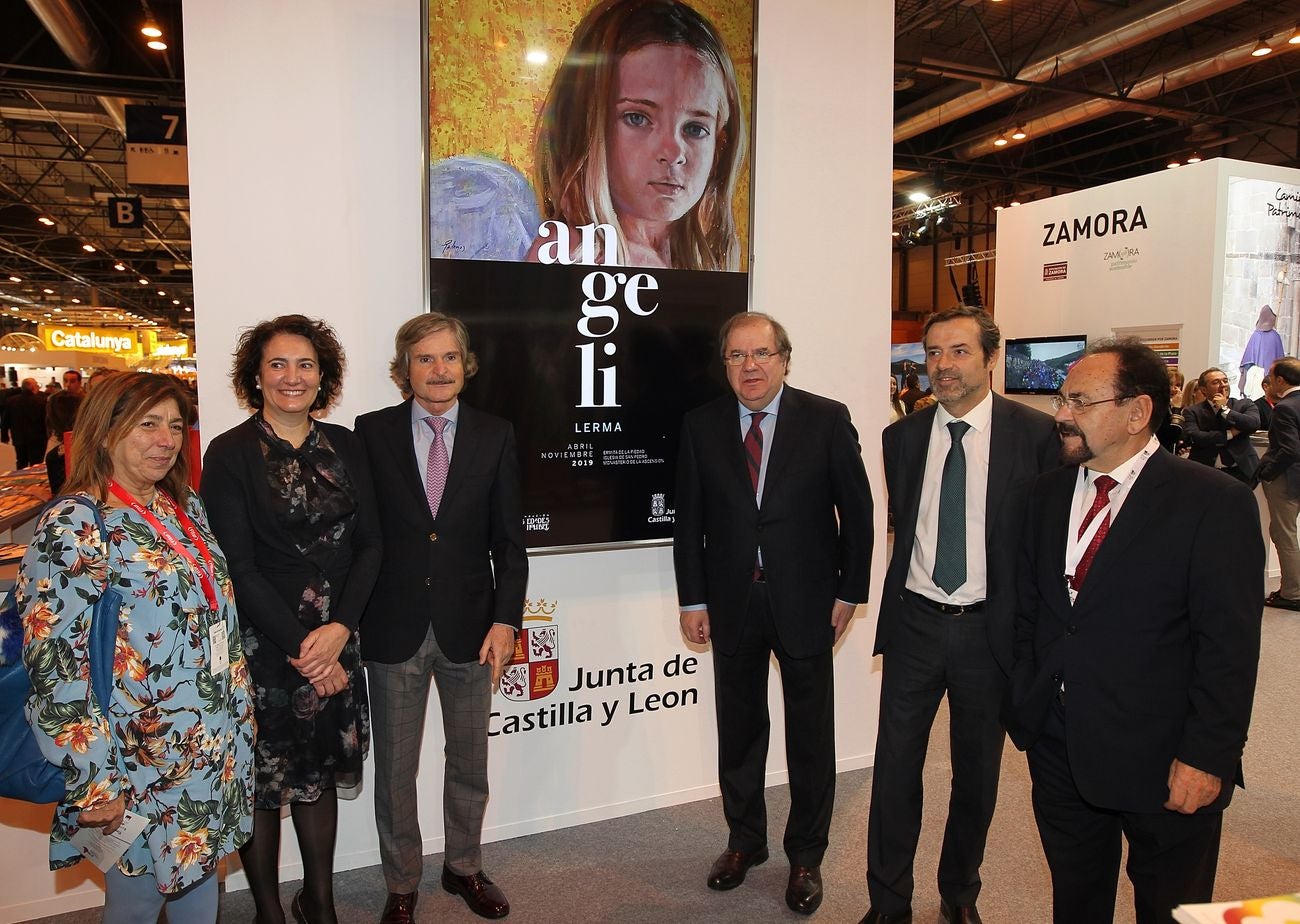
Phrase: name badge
(217, 637)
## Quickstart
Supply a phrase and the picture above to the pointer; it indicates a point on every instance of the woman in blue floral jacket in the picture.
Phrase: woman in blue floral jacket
(174, 745)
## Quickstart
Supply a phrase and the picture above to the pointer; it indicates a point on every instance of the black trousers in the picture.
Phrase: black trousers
(28, 453)
(808, 690)
(931, 654)
(1171, 857)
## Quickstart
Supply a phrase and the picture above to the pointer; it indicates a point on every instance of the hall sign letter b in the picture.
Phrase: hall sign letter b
(125, 213)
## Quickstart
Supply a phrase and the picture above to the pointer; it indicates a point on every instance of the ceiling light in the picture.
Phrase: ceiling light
(893, 234)
(46, 220)
(537, 56)
(151, 30)
(177, 301)
(15, 279)
(157, 45)
(1019, 134)
(76, 301)
(188, 308)
(1193, 158)
(48, 291)
(1295, 36)
(161, 292)
(1015, 203)
(1172, 164)
(57, 311)
(997, 208)
(1000, 141)
(918, 196)
(143, 281)
(88, 248)
(1262, 48)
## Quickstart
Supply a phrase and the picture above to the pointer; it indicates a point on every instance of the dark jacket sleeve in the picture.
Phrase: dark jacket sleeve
(1283, 442)
(236, 520)
(688, 526)
(852, 495)
(1226, 602)
(509, 548)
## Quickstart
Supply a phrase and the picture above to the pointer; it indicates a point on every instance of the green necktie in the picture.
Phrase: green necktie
(950, 550)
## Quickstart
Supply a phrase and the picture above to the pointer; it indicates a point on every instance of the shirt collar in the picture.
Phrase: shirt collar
(772, 408)
(419, 414)
(979, 417)
(1124, 470)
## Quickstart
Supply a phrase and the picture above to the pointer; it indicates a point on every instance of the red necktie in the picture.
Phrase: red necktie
(1104, 484)
(754, 448)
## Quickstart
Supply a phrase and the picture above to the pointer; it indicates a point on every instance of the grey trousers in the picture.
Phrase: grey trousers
(1282, 512)
(399, 696)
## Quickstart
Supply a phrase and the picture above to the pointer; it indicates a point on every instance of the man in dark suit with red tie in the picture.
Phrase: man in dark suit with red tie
(1137, 642)
(772, 549)
(446, 606)
(958, 475)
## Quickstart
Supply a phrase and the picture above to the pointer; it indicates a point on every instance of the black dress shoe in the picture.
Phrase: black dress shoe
(804, 893)
(1277, 601)
(482, 895)
(400, 908)
(958, 914)
(729, 869)
(875, 917)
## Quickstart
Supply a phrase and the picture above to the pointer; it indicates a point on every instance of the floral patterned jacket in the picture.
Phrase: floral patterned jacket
(176, 740)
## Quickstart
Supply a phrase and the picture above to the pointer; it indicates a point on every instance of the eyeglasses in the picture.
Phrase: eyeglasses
(1077, 404)
(762, 356)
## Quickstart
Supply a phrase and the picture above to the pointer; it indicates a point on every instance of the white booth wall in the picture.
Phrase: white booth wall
(1193, 265)
(306, 168)
(1168, 272)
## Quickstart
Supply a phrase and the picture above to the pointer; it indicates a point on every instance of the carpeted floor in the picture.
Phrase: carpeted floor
(651, 867)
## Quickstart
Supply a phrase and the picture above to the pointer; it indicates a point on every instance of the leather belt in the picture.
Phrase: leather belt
(948, 609)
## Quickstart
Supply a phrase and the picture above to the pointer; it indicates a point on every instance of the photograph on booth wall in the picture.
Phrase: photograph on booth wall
(1261, 269)
(589, 220)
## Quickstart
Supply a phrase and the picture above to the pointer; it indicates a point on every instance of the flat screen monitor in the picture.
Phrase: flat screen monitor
(1037, 365)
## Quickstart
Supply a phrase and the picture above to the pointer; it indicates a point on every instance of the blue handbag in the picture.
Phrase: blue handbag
(25, 774)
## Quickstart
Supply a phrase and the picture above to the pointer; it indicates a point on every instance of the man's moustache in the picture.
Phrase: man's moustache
(1068, 430)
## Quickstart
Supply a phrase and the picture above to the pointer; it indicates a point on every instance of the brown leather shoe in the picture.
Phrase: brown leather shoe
(729, 869)
(804, 893)
(482, 895)
(875, 917)
(400, 908)
(958, 914)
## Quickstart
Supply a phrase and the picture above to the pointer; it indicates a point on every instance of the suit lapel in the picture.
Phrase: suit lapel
(789, 421)
(1141, 502)
(914, 450)
(402, 444)
(463, 454)
(1003, 452)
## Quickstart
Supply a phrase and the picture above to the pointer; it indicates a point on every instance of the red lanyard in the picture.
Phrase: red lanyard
(207, 576)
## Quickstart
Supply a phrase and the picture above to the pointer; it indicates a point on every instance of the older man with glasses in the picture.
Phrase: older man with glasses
(1136, 646)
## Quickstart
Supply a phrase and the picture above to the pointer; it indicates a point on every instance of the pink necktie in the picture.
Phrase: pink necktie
(1104, 484)
(435, 469)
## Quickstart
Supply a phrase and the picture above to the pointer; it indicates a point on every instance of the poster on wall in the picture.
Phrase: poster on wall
(589, 220)
(1261, 269)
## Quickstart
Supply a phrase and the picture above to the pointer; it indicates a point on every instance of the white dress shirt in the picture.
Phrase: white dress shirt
(975, 445)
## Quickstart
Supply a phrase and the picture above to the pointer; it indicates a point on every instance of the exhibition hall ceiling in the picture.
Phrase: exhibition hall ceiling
(1101, 90)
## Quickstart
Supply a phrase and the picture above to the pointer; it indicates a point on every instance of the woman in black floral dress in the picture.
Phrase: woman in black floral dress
(291, 502)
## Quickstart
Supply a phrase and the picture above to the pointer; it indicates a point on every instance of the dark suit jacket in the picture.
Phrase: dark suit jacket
(1207, 433)
(1022, 444)
(268, 570)
(25, 413)
(463, 571)
(810, 558)
(1265, 412)
(1282, 458)
(1159, 652)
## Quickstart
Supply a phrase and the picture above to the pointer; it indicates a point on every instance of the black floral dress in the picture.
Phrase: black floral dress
(306, 743)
